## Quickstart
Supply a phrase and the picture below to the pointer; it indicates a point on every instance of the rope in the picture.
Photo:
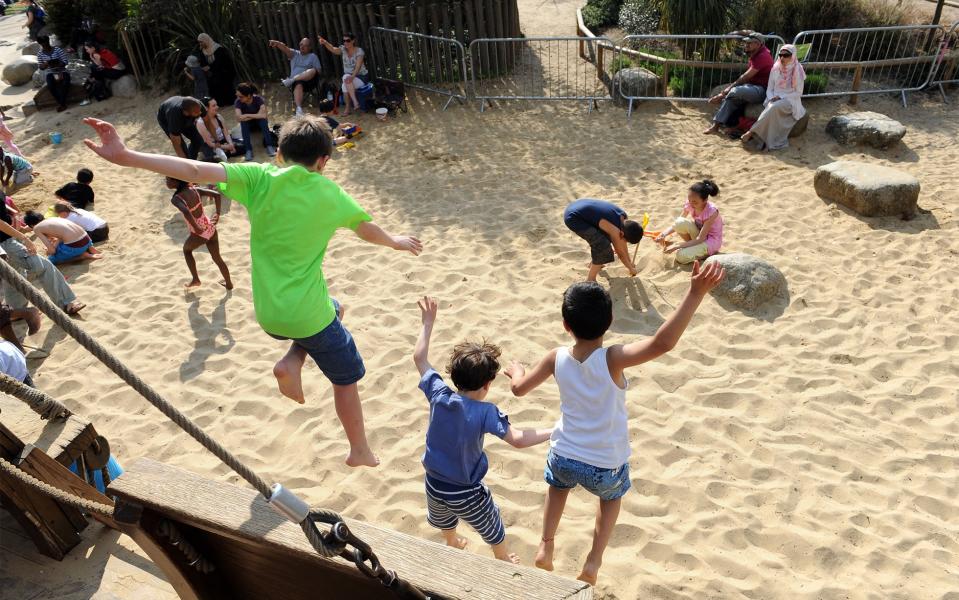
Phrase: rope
(71, 327)
(59, 495)
(40, 403)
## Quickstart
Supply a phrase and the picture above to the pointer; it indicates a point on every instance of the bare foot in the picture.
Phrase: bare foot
(457, 542)
(511, 558)
(711, 130)
(227, 284)
(362, 458)
(747, 136)
(33, 321)
(74, 308)
(287, 374)
(544, 556)
(96, 256)
(194, 283)
(590, 572)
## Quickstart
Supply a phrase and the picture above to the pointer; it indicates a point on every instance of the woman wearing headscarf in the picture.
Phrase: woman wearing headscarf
(221, 72)
(783, 102)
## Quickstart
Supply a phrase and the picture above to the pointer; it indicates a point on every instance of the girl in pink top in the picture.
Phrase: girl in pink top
(700, 226)
(188, 199)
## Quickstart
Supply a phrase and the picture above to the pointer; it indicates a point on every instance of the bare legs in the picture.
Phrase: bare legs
(501, 552)
(593, 272)
(213, 245)
(606, 516)
(552, 513)
(298, 97)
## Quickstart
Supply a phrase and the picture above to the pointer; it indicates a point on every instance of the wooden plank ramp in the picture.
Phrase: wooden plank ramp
(255, 553)
(62, 440)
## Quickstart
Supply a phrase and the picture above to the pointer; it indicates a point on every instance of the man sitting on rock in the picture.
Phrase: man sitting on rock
(54, 62)
(749, 88)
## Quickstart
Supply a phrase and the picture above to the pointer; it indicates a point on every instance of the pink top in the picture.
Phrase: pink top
(714, 239)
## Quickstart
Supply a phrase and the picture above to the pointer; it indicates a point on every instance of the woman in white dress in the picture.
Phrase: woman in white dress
(783, 102)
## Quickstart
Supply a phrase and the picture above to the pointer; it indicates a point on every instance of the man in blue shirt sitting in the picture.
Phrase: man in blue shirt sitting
(304, 70)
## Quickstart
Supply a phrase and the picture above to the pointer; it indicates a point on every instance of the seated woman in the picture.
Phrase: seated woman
(783, 102)
(93, 224)
(214, 132)
(251, 111)
(354, 71)
(106, 64)
(700, 225)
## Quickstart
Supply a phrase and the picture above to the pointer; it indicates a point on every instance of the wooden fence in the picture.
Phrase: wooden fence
(260, 20)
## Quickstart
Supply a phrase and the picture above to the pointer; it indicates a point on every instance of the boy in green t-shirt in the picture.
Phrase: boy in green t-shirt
(293, 212)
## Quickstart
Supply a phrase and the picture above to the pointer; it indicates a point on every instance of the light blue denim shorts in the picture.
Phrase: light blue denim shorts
(567, 473)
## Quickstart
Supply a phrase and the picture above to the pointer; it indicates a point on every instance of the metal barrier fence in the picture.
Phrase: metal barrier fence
(947, 63)
(876, 60)
(545, 68)
(678, 67)
(426, 62)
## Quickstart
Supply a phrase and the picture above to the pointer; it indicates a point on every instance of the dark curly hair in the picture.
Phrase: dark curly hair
(473, 365)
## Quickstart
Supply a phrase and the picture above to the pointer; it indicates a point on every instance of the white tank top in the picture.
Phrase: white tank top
(592, 426)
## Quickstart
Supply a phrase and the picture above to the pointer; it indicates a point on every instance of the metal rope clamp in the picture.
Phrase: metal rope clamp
(288, 504)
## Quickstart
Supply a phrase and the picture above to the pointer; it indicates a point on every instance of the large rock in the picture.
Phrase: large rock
(749, 282)
(634, 81)
(870, 190)
(124, 87)
(871, 128)
(79, 72)
(19, 71)
(44, 99)
(29, 48)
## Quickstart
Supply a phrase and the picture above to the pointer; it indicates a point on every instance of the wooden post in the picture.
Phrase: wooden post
(600, 67)
(458, 23)
(856, 81)
(134, 59)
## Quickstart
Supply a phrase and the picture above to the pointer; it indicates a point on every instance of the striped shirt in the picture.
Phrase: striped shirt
(19, 163)
(56, 54)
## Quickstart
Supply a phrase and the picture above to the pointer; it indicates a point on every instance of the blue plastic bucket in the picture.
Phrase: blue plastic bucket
(56, 137)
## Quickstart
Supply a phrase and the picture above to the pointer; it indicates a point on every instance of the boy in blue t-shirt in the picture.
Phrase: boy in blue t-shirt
(454, 459)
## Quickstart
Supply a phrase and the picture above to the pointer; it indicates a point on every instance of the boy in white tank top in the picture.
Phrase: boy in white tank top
(590, 445)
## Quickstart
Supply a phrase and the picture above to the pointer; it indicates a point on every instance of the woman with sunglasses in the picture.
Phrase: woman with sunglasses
(783, 102)
(354, 71)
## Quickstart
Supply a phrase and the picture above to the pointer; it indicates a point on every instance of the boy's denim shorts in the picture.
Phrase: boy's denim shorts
(567, 473)
(334, 352)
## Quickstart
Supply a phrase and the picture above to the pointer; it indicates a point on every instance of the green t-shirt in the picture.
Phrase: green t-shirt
(293, 214)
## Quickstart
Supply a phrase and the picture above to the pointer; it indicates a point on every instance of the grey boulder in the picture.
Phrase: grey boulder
(870, 190)
(634, 82)
(29, 48)
(750, 282)
(20, 70)
(870, 128)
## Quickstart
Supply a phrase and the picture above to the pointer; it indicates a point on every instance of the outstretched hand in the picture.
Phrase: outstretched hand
(428, 308)
(111, 146)
(407, 244)
(514, 370)
(706, 278)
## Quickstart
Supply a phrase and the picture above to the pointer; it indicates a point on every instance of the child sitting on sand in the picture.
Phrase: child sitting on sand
(16, 169)
(454, 459)
(78, 193)
(96, 227)
(700, 225)
(187, 199)
(65, 241)
(294, 210)
(342, 132)
(590, 444)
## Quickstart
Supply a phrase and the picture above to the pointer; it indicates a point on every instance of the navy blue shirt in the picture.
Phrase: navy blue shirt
(587, 212)
(454, 440)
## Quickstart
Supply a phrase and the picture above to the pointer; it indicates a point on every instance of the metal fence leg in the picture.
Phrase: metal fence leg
(904, 104)
(447, 105)
(629, 111)
(942, 91)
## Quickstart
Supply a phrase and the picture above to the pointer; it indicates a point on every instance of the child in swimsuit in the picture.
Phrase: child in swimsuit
(202, 228)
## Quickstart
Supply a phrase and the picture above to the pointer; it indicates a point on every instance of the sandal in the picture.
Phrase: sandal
(74, 308)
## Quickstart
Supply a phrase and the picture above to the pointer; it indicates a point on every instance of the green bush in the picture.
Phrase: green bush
(690, 82)
(789, 17)
(815, 83)
(64, 16)
(601, 13)
(638, 17)
(619, 63)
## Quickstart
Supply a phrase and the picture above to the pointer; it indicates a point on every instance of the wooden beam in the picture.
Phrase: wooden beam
(230, 521)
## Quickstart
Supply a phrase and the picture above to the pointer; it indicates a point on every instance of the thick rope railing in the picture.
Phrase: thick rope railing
(40, 403)
(104, 510)
(334, 543)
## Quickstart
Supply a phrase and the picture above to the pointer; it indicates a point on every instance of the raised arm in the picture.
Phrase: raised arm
(524, 438)
(521, 382)
(112, 149)
(282, 48)
(372, 233)
(335, 50)
(620, 357)
(421, 352)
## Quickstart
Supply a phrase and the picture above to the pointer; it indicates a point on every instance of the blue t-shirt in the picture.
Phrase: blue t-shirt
(587, 212)
(454, 440)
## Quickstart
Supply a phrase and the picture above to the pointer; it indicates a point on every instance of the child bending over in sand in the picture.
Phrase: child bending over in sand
(65, 241)
(188, 199)
(700, 225)
(294, 210)
(342, 132)
(454, 459)
(590, 444)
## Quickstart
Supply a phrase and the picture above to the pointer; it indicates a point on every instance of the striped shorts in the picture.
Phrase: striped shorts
(447, 504)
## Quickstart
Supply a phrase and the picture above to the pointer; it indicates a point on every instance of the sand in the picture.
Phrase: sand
(805, 450)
